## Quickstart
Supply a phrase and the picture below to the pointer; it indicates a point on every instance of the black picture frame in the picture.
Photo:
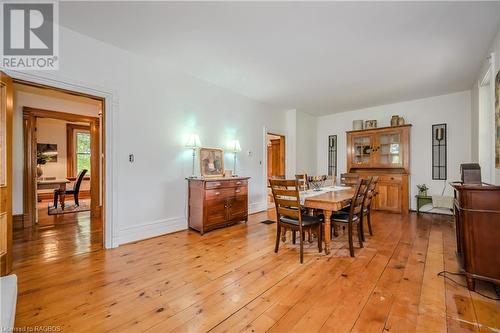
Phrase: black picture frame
(332, 155)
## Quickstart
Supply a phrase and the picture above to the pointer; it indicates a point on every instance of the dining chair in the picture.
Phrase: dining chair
(289, 214)
(349, 179)
(75, 190)
(354, 215)
(303, 181)
(367, 206)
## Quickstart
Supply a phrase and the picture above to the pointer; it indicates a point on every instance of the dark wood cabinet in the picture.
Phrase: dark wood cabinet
(217, 202)
(383, 152)
(477, 223)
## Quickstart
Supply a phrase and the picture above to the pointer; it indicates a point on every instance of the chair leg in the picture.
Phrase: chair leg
(360, 235)
(320, 238)
(301, 249)
(56, 197)
(351, 245)
(76, 199)
(294, 237)
(283, 235)
(361, 227)
(368, 220)
(303, 235)
(278, 234)
(309, 235)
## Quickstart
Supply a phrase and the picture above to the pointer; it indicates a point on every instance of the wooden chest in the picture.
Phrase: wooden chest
(217, 202)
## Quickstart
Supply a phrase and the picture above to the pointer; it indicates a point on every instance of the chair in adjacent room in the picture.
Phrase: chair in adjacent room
(354, 216)
(75, 190)
(289, 214)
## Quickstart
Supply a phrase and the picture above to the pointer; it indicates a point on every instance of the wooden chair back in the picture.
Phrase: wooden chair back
(79, 180)
(359, 197)
(303, 181)
(286, 198)
(349, 179)
(370, 194)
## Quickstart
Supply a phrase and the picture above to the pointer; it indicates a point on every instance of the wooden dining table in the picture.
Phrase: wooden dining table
(329, 202)
(54, 183)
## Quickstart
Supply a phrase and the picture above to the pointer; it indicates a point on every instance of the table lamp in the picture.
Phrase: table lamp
(235, 147)
(193, 142)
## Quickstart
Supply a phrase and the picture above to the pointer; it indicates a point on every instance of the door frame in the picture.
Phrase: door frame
(266, 131)
(6, 187)
(30, 147)
(110, 142)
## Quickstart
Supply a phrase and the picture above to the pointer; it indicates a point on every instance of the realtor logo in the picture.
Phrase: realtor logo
(29, 36)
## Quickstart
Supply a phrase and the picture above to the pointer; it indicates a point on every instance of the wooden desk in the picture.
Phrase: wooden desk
(329, 202)
(60, 184)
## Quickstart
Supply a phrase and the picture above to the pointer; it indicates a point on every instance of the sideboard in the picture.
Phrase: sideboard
(217, 202)
(477, 219)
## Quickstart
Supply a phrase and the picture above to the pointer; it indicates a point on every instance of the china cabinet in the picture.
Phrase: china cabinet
(383, 152)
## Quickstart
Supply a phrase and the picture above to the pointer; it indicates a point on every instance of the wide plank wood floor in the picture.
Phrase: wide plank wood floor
(230, 280)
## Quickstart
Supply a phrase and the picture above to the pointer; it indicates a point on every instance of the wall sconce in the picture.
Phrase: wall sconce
(439, 146)
(193, 142)
(234, 146)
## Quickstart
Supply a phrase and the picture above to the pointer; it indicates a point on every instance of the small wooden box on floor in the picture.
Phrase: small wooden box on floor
(477, 218)
(383, 152)
(217, 202)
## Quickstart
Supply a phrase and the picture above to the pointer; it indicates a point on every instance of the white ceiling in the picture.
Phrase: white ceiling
(320, 57)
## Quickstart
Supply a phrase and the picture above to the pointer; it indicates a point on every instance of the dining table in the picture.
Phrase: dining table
(329, 200)
(54, 183)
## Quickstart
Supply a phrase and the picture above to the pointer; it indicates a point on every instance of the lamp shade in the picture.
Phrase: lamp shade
(193, 141)
(234, 146)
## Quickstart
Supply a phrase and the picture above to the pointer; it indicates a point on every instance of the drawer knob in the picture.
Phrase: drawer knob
(238, 191)
(238, 183)
(217, 193)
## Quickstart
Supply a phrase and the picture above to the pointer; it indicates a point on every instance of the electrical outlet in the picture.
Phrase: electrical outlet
(131, 158)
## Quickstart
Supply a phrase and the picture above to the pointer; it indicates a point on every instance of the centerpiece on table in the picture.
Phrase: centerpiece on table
(316, 182)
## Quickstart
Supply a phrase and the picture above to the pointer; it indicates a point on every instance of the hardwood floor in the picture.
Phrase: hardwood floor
(230, 280)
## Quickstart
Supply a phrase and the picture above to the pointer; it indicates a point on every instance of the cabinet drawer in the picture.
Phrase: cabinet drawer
(225, 183)
(219, 193)
(390, 179)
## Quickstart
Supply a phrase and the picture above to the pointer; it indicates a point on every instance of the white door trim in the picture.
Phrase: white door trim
(111, 107)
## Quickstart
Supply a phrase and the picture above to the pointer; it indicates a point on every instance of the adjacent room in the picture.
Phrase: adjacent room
(244, 166)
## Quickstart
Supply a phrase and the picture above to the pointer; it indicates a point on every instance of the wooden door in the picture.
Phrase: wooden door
(388, 197)
(6, 109)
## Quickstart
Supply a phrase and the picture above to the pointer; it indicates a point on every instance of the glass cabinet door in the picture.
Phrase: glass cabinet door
(362, 150)
(389, 150)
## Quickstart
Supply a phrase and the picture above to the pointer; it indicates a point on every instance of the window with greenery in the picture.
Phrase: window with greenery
(82, 150)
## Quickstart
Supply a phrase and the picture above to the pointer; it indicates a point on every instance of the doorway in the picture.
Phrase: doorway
(62, 169)
(275, 144)
(486, 127)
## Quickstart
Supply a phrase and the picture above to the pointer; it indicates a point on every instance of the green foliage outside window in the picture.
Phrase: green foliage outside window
(82, 152)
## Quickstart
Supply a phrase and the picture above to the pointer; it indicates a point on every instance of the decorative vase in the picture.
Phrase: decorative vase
(357, 125)
(394, 120)
(401, 121)
(39, 171)
(422, 193)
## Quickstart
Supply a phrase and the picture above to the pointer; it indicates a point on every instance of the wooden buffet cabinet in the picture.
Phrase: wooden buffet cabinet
(477, 218)
(383, 152)
(217, 202)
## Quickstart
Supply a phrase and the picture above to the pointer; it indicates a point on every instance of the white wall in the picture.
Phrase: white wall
(305, 143)
(484, 133)
(157, 107)
(28, 97)
(53, 131)
(453, 109)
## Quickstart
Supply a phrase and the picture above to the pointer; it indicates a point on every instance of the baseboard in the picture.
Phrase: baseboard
(18, 221)
(84, 194)
(257, 207)
(151, 229)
